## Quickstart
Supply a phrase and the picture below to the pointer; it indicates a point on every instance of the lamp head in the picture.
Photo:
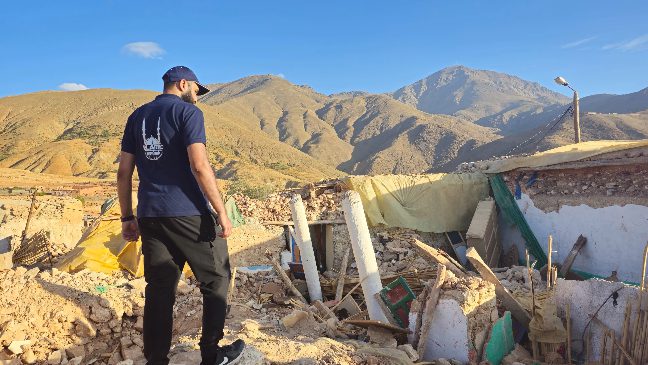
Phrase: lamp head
(561, 81)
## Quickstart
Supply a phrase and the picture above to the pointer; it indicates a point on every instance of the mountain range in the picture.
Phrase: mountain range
(265, 130)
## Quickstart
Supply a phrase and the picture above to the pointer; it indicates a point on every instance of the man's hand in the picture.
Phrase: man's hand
(226, 225)
(130, 230)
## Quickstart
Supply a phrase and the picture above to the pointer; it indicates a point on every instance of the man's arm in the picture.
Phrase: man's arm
(207, 181)
(130, 231)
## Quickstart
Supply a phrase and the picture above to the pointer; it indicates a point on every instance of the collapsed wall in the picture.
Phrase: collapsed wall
(605, 204)
(463, 316)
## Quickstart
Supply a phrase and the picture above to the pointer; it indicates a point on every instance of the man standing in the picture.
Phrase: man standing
(166, 140)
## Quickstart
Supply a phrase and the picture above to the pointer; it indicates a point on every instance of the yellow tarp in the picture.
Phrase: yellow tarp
(104, 250)
(569, 153)
(428, 203)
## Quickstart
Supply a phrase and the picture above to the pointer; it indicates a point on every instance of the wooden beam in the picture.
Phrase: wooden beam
(429, 308)
(569, 261)
(286, 280)
(342, 275)
(441, 258)
(511, 304)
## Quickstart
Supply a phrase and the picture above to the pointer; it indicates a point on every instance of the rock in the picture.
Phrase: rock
(183, 287)
(443, 361)
(132, 352)
(139, 285)
(382, 336)
(28, 357)
(125, 362)
(84, 329)
(18, 347)
(55, 357)
(409, 350)
(14, 361)
(139, 324)
(100, 314)
(272, 288)
(104, 302)
(293, 318)
(75, 351)
(383, 356)
(6, 262)
(125, 341)
(137, 340)
(75, 361)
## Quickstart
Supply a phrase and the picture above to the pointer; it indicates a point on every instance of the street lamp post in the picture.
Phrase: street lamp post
(577, 137)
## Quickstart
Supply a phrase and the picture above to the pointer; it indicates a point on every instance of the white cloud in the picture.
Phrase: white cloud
(635, 44)
(144, 49)
(578, 42)
(72, 86)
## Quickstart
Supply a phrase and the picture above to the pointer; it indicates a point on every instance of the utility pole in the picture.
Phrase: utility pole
(577, 135)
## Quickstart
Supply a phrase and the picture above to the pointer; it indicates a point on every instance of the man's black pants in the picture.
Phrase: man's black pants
(167, 243)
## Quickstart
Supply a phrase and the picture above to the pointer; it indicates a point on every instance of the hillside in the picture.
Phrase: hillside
(487, 98)
(78, 133)
(264, 130)
(630, 126)
(356, 132)
(609, 103)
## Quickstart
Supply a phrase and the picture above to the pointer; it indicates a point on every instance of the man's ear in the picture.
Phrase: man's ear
(182, 85)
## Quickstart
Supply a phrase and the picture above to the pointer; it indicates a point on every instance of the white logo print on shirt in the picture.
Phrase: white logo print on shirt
(152, 146)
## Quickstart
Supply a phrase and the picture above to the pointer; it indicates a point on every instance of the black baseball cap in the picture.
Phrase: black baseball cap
(178, 73)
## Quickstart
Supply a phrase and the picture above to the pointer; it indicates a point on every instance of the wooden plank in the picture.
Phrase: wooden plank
(388, 314)
(366, 323)
(518, 312)
(418, 306)
(569, 261)
(310, 223)
(441, 258)
(342, 275)
(286, 280)
(326, 311)
(429, 308)
(330, 247)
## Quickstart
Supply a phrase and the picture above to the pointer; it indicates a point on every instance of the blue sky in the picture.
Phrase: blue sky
(333, 46)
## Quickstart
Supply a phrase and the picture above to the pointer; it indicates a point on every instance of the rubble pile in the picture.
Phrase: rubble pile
(395, 253)
(100, 317)
(325, 205)
(81, 318)
(516, 280)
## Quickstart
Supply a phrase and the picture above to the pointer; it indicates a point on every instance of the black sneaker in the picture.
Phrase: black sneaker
(230, 354)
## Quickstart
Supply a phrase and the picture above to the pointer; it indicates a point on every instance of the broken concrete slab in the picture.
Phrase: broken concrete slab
(19, 346)
(293, 318)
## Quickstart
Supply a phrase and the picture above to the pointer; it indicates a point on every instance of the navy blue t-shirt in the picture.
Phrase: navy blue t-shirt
(158, 134)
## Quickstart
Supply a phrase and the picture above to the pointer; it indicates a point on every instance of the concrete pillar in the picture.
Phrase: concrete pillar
(302, 236)
(363, 252)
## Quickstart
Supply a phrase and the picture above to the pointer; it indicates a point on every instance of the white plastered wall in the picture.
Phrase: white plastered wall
(616, 236)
